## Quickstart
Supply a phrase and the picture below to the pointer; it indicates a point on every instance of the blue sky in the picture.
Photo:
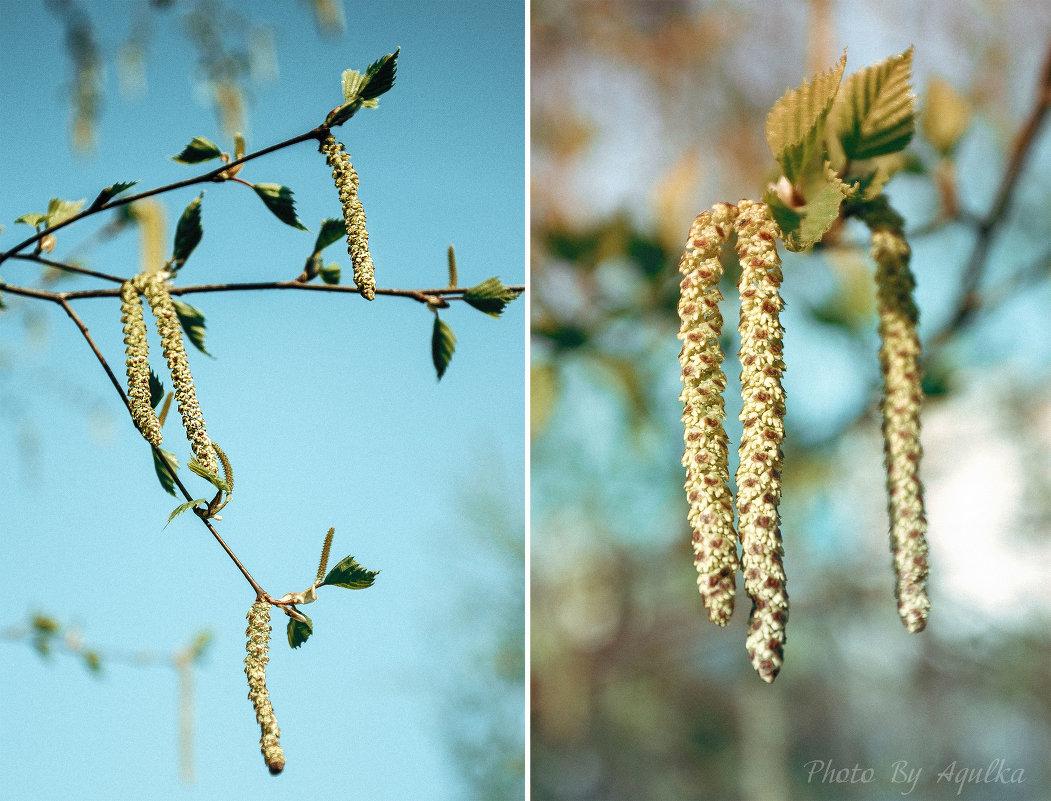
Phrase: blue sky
(328, 407)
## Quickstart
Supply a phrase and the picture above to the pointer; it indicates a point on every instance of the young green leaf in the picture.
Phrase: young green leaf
(379, 77)
(331, 273)
(349, 574)
(332, 230)
(208, 475)
(803, 226)
(299, 631)
(199, 149)
(945, 118)
(874, 113)
(182, 507)
(490, 296)
(443, 343)
(111, 192)
(188, 233)
(163, 475)
(59, 210)
(795, 125)
(279, 200)
(192, 321)
(32, 219)
(156, 390)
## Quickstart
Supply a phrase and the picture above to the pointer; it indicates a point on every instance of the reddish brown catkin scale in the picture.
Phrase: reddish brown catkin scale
(258, 647)
(705, 457)
(899, 357)
(138, 364)
(762, 413)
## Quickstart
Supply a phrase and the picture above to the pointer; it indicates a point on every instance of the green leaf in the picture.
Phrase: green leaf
(111, 192)
(156, 390)
(32, 219)
(490, 296)
(332, 230)
(803, 226)
(875, 112)
(349, 574)
(795, 125)
(182, 507)
(59, 210)
(379, 77)
(163, 476)
(298, 631)
(443, 343)
(331, 273)
(279, 200)
(205, 473)
(192, 321)
(361, 91)
(188, 233)
(199, 149)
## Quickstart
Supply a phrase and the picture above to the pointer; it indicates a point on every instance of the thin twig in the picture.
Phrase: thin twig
(212, 175)
(420, 295)
(66, 267)
(968, 302)
(260, 592)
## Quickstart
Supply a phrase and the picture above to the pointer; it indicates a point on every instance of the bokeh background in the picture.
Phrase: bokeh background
(328, 406)
(643, 114)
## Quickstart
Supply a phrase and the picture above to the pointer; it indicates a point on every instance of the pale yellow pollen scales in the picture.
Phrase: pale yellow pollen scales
(138, 364)
(258, 648)
(899, 357)
(346, 180)
(705, 457)
(155, 289)
(762, 414)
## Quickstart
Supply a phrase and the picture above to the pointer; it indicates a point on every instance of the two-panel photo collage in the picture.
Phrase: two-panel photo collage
(628, 400)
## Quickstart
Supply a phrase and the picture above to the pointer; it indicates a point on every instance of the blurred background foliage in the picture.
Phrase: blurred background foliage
(644, 114)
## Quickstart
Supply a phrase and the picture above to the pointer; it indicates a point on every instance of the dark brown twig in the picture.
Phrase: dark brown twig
(968, 301)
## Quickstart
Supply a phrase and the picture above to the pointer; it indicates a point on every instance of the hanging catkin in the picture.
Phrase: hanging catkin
(762, 414)
(703, 382)
(346, 179)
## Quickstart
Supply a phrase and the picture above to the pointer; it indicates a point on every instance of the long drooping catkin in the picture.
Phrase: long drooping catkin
(155, 289)
(137, 364)
(346, 179)
(899, 357)
(763, 412)
(705, 457)
(258, 647)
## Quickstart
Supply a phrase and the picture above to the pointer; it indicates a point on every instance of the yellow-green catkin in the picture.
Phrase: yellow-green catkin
(258, 647)
(155, 289)
(346, 178)
(899, 357)
(138, 364)
(762, 414)
(707, 485)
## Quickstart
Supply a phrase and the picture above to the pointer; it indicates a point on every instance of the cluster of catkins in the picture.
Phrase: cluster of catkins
(758, 477)
(154, 287)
